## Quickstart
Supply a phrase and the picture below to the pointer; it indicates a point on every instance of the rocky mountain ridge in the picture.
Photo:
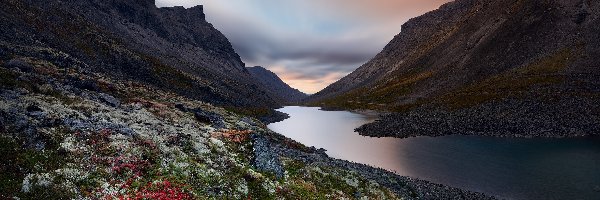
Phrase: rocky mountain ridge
(275, 85)
(471, 55)
(173, 48)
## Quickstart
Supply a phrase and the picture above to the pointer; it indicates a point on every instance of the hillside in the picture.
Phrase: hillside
(65, 141)
(123, 100)
(485, 68)
(275, 85)
(172, 48)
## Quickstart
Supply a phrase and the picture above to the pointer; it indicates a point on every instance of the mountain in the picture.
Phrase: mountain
(275, 85)
(174, 49)
(483, 67)
(118, 99)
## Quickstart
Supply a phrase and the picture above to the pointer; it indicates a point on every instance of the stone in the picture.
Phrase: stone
(249, 121)
(181, 107)
(46, 89)
(33, 108)
(265, 159)
(207, 117)
(90, 85)
(109, 100)
(20, 64)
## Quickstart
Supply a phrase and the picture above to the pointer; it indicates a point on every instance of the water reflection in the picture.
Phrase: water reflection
(334, 131)
(507, 168)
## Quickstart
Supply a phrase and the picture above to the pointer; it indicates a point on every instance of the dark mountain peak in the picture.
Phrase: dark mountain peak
(195, 13)
(144, 3)
(261, 69)
(174, 49)
(199, 9)
(275, 85)
(130, 7)
(474, 55)
(437, 16)
(258, 68)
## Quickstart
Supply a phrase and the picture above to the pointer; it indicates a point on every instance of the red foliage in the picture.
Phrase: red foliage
(135, 165)
(233, 135)
(164, 190)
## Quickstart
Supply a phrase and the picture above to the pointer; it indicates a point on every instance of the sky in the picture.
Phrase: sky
(309, 44)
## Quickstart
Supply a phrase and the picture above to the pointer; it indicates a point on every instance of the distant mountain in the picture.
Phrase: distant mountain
(501, 67)
(275, 85)
(174, 49)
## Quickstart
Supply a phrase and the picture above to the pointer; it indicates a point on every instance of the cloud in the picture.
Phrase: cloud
(309, 43)
(305, 82)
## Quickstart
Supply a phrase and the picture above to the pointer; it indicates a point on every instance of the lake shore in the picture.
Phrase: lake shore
(401, 185)
(476, 163)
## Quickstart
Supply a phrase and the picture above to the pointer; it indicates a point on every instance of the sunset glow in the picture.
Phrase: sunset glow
(309, 43)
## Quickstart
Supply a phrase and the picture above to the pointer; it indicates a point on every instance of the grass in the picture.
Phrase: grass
(322, 182)
(171, 76)
(8, 79)
(17, 162)
(256, 112)
(382, 97)
(543, 73)
(514, 83)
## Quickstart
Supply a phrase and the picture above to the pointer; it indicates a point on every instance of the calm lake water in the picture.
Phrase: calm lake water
(504, 167)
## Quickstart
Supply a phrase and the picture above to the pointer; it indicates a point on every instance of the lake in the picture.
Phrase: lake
(513, 168)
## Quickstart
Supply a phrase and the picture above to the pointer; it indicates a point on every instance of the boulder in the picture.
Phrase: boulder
(207, 117)
(109, 100)
(265, 159)
(20, 64)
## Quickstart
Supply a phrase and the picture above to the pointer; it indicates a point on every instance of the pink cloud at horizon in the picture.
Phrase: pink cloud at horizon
(309, 43)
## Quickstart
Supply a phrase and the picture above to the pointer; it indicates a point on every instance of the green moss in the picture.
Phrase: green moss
(87, 49)
(66, 100)
(8, 79)
(17, 162)
(256, 112)
(171, 76)
(383, 96)
(256, 189)
(543, 73)
(249, 111)
(12, 175)
(293, 167)
(51, 193)
(92, 182)
(313, 182)
(304, 190)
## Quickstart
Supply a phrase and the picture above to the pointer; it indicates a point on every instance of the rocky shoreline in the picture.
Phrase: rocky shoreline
(366, 112)
(273, 117)
(563, 117)
(406, 187)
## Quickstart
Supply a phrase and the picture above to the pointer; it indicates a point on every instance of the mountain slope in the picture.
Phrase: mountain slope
(275, 85)
(171, 48)
(60, 140)
(487, 67)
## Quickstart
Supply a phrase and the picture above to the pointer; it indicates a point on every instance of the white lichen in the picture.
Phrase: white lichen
(36, 180)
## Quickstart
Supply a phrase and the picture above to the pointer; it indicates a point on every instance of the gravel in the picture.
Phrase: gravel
(566, 117)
